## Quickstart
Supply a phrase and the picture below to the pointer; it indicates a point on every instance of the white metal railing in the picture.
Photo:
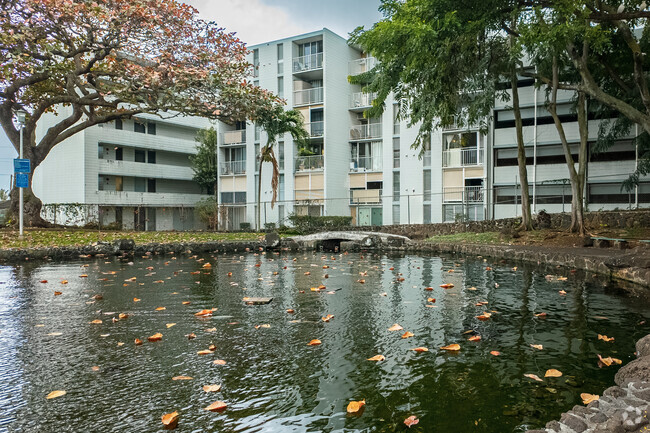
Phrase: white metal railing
(308, 62)
(308, 96)
(308, 163)
(362, 132)
(365, 196)
(315, 129)
(466, 157)
(361, 100)
(234, 137)
(366, 163)
(232, 167)
(359, 66)
(467, 194)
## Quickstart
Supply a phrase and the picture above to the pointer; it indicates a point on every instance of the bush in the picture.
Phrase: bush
(245, 227)
(206, 209)
(306, 223)
(269, 227)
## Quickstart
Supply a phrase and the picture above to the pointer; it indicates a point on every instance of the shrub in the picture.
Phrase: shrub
(269, 226)
(306, 223)
(245, 227)
(206, 209)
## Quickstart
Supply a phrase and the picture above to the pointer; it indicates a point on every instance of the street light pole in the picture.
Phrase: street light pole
(21, 120)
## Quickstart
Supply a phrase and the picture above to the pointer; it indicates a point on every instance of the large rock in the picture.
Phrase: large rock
(272, 240)
(636, 371)
(643, 347)
(125, 244)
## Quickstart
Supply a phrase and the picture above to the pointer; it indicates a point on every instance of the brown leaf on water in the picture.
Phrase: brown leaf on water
(407, 334)
(217, 406)
(395, 327)
(96, 322)
(211, 388)
(95, 368)
(123, 316)
(553, 373)
(207, 266)
(537, 346)
(161, 309)
(138, 342)
(64, 282)
(495, 353)
(155, 337)
(534, 377)
(327, 318)
(191, 336)
(219, 362)
(44, 281)
(169, 325)
(83, 276)
(291, 311)
(451, 347)
(588, 398)
(314, 343)
(485, 316)
(411, 421)
(541, 315)
(428, 289)
(205, 352)
(355, 406)
(170, 420)
(420, 349)
(136, 299)
(447, 286)
(475, 338)
(55, 394)
(57, 293)
(377, 358)
(605, 338)
(182, 378)
(608, 361)
(432, 300)
(186, 303)
(203, 313)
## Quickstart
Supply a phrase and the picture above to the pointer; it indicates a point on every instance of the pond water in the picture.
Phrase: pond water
(272, 381)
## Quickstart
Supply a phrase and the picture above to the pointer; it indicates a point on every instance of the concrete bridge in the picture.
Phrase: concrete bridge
(331, 241)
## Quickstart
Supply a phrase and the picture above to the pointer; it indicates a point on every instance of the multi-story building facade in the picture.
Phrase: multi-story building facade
(133, 174)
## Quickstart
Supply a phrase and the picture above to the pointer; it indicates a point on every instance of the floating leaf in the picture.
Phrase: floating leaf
(55, 394)
(170, 420)
(136, 299)
(155, 337)
(475, 338)
(588, 398)
(207, 266)
(205, 352)
(484, 316)
(57, 293)
(64, 282)
(447, 286)
(327, 318)
(211, 388)
(553, 373)
(495, 353)
(377, 358)
(410, 421)
(161, 309)
(191, 336)
(137, 342)
(314, 343)
(534, 377)
(122, 316)
(203, 313)
(186, 303)
(355, 406)
(182, 378)
(219, 362)
(420, 349)
(95, 368)
(605, 338)
(451, 347)
(395, 327)
(217, 406)
(537, 346)
(169, 325)
(432, 300)
(96, 322)
(541, 315)
(428, 289)
(291, 311)
(608, 361)
(562, 292)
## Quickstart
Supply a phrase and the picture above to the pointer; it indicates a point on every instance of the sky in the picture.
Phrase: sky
(257, 21)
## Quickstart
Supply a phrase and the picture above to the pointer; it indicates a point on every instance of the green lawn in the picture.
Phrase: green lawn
(53, 238)
(470, 238)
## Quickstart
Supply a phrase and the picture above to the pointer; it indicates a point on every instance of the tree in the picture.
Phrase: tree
(277, 122)
(445, 60)
(205, 165)
(4, 194)
(95, 61)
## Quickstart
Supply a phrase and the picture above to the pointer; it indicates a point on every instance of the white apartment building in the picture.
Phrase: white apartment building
(133, 174)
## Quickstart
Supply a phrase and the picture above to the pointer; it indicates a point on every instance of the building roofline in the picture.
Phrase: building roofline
(299, 36)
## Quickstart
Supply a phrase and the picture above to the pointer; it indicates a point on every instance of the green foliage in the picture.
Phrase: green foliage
(306, 223)
(245, 227)
(4, 194)
(205, 163)
(207, 211)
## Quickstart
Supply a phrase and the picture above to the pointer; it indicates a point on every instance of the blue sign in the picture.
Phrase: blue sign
(22, 166)
(22, 180)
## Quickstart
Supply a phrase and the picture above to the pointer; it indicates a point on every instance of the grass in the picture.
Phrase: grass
(470, 238)
(78, 237)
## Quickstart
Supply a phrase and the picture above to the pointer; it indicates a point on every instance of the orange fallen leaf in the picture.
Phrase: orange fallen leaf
(534, 377)
(123, 316)
(562, 292)
(605, 338)
(170, 420)
(428, 288)
(588, 398)
(420, 349)
(169, 325)
(229, 274)
(495, 353)
(43, 281)
(327, 318)
(537, 346)
(95, 368)
(155, 337)
(217, 406)
(186, 303)
(377, 358)
(307, 273)
(205, 352)
(191, 336)
(395, 327)
(447, 286)
(553, 373)
(219, 362)
(451, 347)
(96, 322)
(136, 300)
(541, 315)
(407, 334)
(207, 266)
(291, 311)
(314, 343)
(410, 421)
(137, 342)
(432, 300)
(182, 378)
(83, 276)
(475, 338)
(609, 361)
(355, 406)
(211, 388)
(266, 325)
(203, 313)
(484, 316)
(55, 394)
(56, 293)
(161, 309)
(64, 282)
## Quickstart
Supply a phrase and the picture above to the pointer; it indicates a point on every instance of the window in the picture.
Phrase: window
(240, 197)
(119, 183)
(151, 157)
(310, 48)
(426, 210)
(281, 155)
(257, 158)
(151, 128)
(100, 183)
(256, 63)
(396, 144)
(426, 188)
(396, 212)
(258, 132)
(138, 127)
(396, 185)
(140, 155)
(280, 58)
(395, 119)
(281, 87)
(100, 153)
(139, 184)
(118, 154)
(281, 188)
(151, 185)
(119, 124)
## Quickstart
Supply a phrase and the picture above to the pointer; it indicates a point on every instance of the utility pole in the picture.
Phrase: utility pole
(20, 114)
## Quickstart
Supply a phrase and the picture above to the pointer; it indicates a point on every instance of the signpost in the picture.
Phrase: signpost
(22, 168)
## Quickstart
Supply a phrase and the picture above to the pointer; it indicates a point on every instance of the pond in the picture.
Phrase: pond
(271, 379)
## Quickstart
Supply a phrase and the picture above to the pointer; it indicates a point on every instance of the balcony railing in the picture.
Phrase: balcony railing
(309, 163)
(467, 194)
(234, 137)
(362, 100)
(367, 163)
(308, 63)
(462, 157)
(364, 132)
(315, 129)
(232, 167)
(365, 196)
(360, 66)
(308, 96)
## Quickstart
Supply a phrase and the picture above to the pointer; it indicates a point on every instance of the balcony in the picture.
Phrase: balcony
(468, 157)
(231, 168)
(467, 194)
(367, 163)
(309, 163)
(361, 100)
(365, 132)
(132, 198)
(308, 96)
(315, 129)
(128, 168)
(365, 196)
(308, 63)
(356, 67)
(456, 126)
(234, 137)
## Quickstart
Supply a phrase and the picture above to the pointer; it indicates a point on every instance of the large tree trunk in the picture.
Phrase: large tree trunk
(32, 206)
(526, 217)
